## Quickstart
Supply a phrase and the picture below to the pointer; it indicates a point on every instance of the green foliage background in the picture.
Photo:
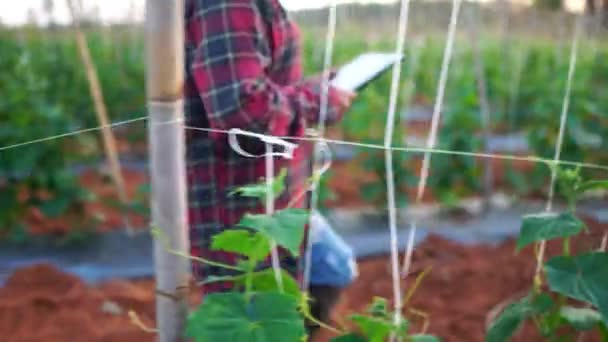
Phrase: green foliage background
(44, 92)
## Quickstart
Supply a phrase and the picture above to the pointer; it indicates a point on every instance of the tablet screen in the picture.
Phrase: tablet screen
(363, 69)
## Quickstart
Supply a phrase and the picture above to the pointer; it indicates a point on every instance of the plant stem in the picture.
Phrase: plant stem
(416, 284)
(135, 320)
(567, 246)
(205, 261)
(321, 324)
(538, 278)
(538, 324)
(159, 234)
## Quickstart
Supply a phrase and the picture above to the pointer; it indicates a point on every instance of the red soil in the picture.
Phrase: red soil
(109, 214)
(463, 286)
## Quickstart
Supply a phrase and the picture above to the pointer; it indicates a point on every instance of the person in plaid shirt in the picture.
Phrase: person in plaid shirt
(243, 70)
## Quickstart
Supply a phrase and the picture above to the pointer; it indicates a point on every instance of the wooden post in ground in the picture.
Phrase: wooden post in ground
(109, 142)
(164, 37)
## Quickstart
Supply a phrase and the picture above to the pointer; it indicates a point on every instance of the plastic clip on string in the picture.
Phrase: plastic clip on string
(288, 148)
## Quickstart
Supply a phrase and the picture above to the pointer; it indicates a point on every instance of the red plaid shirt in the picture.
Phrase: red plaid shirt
(243, 70)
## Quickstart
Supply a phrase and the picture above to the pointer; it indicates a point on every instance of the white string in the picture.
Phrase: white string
(432, 138)
(69, 134)
(409, 249)
(314, 198)
(327, 63)
(531, 159)
(560, 137)
(445, 65)
(388, 155)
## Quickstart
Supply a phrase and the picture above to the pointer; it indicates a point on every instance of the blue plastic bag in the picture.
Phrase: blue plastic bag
(332, 261)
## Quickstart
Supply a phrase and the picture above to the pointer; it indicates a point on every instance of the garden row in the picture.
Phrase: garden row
(45, 93)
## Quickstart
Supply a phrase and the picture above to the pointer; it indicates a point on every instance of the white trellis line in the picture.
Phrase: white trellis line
(560, 138)
(432, 138)
(422, 150)
(388, 157)
(314, 198)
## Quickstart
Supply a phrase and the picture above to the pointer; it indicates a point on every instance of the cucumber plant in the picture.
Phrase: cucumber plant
(570, 295)
(259, 307)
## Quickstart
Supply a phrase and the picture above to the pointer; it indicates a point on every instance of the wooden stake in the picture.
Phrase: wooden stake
(109, 142)
(164, 34)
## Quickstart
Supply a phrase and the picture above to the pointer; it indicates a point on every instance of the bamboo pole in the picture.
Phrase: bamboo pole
(109, 142)
(165, 76)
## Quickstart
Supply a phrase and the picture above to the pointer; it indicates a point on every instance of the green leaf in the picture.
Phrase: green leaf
(349, 338)
(424, 338)
(260, 190)
(55, 207)
(266, 317)
(265, 281)
(376, 329)
(582, 277)
(514, 315)
(379, 308)
(542, 303)
(285, 227)
(254, 245)
(593, 185)
(508, 322)
(581, 318)
(547, 226)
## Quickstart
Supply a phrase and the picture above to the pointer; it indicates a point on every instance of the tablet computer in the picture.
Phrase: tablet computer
(362, 70)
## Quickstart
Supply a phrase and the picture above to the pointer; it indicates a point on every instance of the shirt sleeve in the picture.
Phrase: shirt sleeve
(230, 71)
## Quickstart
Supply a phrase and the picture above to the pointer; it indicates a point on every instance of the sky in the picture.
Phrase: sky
(17, 12)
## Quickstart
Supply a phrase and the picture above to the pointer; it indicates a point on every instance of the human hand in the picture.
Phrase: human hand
(320, 78)
(343, 99)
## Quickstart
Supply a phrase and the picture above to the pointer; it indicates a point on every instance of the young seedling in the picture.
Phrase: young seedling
(257, 308)
(377, 325)
(569, 278)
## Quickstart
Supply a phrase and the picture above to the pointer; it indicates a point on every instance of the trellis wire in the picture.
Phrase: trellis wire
(314, 198)
(432, 138)
(388, 154)
(74, 133)
(497, 156)
(540, 256)
(532, 159)
(445, 65)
